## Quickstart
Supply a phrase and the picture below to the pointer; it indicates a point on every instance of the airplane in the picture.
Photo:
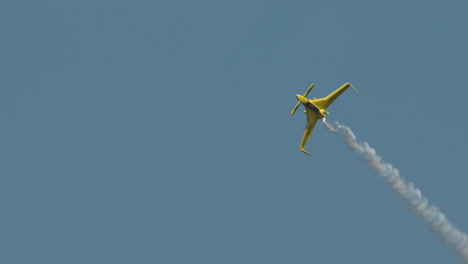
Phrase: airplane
(316, 109)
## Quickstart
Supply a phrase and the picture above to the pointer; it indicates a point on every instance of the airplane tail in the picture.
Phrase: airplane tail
(299, 102)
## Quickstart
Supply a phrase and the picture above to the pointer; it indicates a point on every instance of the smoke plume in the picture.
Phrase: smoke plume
(439, 223)
(329, 127)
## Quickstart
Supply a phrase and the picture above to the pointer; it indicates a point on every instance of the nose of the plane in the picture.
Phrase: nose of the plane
(301, 99)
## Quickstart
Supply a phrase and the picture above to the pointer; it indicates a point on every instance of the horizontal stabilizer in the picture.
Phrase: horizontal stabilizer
(299, 102)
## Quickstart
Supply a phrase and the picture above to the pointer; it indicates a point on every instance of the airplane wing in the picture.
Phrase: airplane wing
(327, 101)
(312, 118)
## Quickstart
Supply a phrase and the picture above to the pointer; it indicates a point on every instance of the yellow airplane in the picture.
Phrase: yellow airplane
(316, 109)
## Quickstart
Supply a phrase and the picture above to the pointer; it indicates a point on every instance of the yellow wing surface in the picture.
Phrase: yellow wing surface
(324, 103)
(312, 118)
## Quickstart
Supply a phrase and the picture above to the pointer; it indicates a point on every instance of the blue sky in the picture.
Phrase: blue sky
(159, 131)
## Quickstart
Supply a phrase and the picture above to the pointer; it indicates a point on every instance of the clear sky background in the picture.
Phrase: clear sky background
(159, 131)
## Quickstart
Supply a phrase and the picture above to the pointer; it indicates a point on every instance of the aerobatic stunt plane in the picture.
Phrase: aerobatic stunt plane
(316, 109)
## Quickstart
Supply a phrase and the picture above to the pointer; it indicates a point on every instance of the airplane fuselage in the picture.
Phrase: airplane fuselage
(319, 112)
(309, 104)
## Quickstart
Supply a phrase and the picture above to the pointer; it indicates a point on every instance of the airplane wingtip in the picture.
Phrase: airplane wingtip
(354, 88)
(303, 150)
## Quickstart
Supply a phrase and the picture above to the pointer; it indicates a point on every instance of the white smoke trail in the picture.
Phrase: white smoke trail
(439, 223)
(328, 126)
